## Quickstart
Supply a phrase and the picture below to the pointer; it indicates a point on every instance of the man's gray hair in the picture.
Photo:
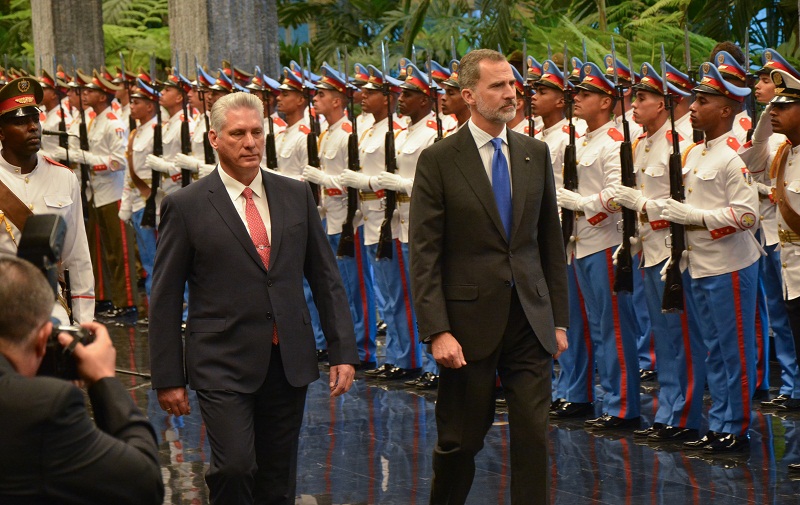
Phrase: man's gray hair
(26, 299)
(469, 70)
(231, 102)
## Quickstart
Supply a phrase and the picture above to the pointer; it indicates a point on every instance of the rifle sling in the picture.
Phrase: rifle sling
(13, 208)
(142, 186)
(788, 213)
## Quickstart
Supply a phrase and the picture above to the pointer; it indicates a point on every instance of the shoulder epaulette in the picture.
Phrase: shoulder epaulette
(686, 152)
(304, 129)
(398, 126)
(111, 116)
(347, 127)
(54, 162)
(431, 124)
(92, 114)
(278, 121)
(615, 134)
(669, 136)
(42, 116)
(733, 143)
(745, 123)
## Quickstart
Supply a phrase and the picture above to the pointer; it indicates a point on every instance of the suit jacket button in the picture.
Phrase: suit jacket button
(269, 282)
(507, 283)
(269, 315)
(510, 255)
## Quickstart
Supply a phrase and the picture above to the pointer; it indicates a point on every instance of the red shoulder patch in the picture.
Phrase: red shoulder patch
(92, 114)
(733, 143)
(305, 129)
(431, 124)
(347, 127)
(398, 126)
(669, 136)
(54, 162)
(745, 123)
(278, 121)
(615, 134)
(111, 116)
(42, 116)
(116, 105)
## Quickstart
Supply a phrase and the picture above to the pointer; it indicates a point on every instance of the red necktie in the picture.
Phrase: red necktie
(258, 232)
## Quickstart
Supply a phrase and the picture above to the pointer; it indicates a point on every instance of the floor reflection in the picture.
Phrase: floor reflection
(373, 446)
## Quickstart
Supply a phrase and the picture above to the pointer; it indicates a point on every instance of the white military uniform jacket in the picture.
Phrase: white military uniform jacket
(142, 146)
(790, 250)
(52, 188)
(741, 124)
(635, 128)
(716, 180)
(557, 139)
(598, 169)
(171, 138)
(684, 127)
(292, 149)
(372, 148)
(651, 164)
(409, 144)
(333, 161)
(51, 120)
(107, 142)
(278, 126)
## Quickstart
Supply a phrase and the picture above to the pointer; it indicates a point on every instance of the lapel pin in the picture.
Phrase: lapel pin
(527, 159)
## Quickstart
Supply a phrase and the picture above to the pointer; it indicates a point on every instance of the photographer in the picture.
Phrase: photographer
(51, 450)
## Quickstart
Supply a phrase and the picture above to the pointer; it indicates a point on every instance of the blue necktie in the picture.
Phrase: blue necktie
(501, 185)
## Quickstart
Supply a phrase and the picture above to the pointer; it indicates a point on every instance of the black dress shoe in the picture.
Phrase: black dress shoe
(377, 371)
(322, 355)
(778, 400)
(794, 468)
(647, 375)
(555, 404)
(608, 422)
(366, 365)
(116, 312)
(143, 321)
(700, 443)
(500, 402)
(761, 394)
(397, 373)
(103, 306)
(728, 442)
(381, 328)
(413, 382)
(790, 405)
(646, 432)
(427, 381)
(674, 434)
(572, 409)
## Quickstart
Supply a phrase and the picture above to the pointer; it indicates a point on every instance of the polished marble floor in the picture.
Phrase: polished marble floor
(373, 446)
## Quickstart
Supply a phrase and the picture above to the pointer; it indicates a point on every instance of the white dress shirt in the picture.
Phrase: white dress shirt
(235, 189)
(486, 149)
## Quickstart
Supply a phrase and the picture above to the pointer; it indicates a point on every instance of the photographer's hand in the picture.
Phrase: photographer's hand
(97, 360)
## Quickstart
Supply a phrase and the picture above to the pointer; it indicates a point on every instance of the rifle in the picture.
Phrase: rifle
(434, 96)
(63, 140)
(385, 239)
(749, 80)
(186, 138)
(311, 138)
(526, 85)
(347, 244)
(623, 277)
(697, 135)
(208, 151)
(570, 159)
(149, 215)
(83, 134)
(272, 152)
(131, 121)
(672, 299)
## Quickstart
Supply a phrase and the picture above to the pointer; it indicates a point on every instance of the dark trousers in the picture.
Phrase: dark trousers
(254, 439)
(793, 311)
(465, 412)
(112, 248)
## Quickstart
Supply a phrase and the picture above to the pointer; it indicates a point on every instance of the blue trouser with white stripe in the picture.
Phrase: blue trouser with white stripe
(402, 348)
(146, 242)
(357, 278)
(644, 329)
(727, 315)
(612, 323)
(680, 353)
(575, 381)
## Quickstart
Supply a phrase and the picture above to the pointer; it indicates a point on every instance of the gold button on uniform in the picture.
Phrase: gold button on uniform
(689, 248)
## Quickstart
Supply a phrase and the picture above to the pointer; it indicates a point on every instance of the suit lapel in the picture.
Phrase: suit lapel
(221, 201)
(520, 176)
(468, 160)
(276, 211)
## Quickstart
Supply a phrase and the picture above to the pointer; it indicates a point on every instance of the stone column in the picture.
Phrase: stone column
(66, 27)
(245, 31)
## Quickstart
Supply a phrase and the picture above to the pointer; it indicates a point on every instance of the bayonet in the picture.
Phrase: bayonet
(614, 62)
(664, 84)
(525, 60)
(453, 54)
(414, 54)
(549, 52)
(339, 61)
(585, 58)
(687, 53)
(630, 63)
(566, 73)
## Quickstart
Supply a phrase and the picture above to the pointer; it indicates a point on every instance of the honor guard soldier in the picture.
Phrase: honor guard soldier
(534, 73)
(203, 159)
(401, 356)
(439, 74)
(760, 155)
(331, 101)
(452, 102)
(575, 78)
(268, 90)
(414, 102)
(785, 119)
(682, 82)
(628, 78)
(31, 183)
(680, 355)
(360, 78)
(614, 328)
(519, 124)
(291, 143)
(123, 94)
(719, 214)
(733, 72)
(54, 114)
(111, 242)
(571, 391)
(138, 178)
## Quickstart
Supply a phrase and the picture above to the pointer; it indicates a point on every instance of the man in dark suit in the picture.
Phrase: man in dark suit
(244, 239)
(489, 282)
(51, 450)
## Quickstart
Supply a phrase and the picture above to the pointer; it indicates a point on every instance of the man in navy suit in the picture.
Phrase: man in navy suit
(244, 239)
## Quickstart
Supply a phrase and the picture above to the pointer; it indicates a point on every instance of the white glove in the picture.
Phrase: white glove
(58, 153)
(87, 158)
(204, 169)
(636, 248)
(158, 164)
(683, 265)
(571, 200)
(358, 180)
(764, 189)
(394, 182)
(629, 198)
(682, 213)
(317, 176)
(186, 162)
(124, 215)
(763, 129)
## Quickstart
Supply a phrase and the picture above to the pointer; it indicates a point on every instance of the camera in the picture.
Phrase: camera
(58, 360)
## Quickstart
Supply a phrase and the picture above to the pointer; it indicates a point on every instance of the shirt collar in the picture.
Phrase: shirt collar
(556, 127)
(235, 187)
(482, 138)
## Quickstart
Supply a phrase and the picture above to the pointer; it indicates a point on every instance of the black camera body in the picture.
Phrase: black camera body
(58, 360)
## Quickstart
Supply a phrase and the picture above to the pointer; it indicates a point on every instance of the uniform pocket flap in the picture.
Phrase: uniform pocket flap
(707, 175)
(208, 325)
(57, 201)
(461, 292)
